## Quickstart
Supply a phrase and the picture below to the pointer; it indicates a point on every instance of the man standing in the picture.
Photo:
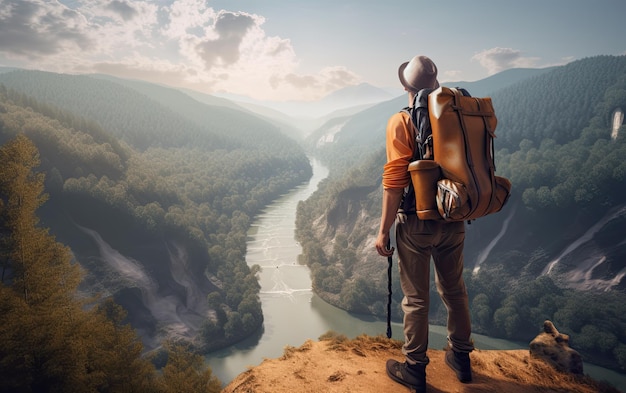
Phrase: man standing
(417, 240)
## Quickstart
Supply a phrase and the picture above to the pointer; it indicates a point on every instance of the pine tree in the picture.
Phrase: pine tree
(49, 339)
(185, 372)
(39, 280)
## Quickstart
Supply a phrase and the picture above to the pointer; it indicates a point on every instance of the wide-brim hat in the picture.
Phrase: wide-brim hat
(418, 74)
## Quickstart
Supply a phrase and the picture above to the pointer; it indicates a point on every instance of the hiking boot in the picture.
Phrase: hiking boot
(460, 363)
(413, 377)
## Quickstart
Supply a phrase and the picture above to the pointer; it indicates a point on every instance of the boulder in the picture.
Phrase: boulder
(553, 347)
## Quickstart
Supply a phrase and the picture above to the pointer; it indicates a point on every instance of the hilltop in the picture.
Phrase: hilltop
(337, 364)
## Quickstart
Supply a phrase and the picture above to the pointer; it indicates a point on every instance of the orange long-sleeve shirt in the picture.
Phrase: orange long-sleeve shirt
(400, 143)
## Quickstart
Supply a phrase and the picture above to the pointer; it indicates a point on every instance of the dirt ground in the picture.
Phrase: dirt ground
(338, 365)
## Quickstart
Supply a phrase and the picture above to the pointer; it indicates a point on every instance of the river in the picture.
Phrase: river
(294, 314)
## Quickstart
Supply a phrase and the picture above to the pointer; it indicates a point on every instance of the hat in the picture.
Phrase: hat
(419, 73)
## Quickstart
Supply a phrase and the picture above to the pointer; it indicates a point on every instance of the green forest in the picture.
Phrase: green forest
(199, 187)
(554, 143)
(50, 339)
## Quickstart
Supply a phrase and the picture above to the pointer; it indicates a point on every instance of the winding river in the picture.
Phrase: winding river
(294, 314)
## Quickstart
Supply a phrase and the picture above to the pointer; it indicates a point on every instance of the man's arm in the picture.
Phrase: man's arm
(391, 202)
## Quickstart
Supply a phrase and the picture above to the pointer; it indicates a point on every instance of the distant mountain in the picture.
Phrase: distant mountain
(356, 95)
(205, 107)
(145, 114)
(365, 130)
(155, 91)
(489, 85)
(7, 69)
(287, 124)
(311, 115)
(172, 98)
(351, 96)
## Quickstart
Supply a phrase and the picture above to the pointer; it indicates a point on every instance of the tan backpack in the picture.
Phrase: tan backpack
(459, 183)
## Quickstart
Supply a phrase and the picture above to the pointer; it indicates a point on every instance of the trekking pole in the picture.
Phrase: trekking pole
(389, 264)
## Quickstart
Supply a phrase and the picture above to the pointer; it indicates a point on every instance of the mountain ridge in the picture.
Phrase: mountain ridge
(350, 96)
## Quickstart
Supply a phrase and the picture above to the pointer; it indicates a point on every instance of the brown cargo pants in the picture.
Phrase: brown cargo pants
(417, 241)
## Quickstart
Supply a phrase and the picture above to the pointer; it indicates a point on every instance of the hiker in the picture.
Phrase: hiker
(417, 240)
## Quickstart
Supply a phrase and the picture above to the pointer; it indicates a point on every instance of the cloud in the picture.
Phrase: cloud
(451, 75)
(231, 28)
(337, 77)
(499, 59)
(302, 82)
(315, 86)
(184, 43)
(233, 54)
(35, 29)
(123, 9)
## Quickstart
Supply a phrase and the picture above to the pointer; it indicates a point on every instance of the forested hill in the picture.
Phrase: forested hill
(146, 115)
(153, 201)
(560, 104)
(557, 251)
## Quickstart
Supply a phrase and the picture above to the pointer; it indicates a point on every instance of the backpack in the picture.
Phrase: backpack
(453, 169)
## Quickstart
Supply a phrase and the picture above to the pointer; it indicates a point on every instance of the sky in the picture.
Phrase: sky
(280, 50)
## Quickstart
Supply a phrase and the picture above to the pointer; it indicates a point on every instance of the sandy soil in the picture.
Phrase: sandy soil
(337, 365)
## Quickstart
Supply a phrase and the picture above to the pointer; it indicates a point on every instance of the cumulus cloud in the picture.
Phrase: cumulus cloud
(231, 28)
(302, 82)
(337, 77)
(123, 9)
(499, 59)
(185, 43)
(34, 29)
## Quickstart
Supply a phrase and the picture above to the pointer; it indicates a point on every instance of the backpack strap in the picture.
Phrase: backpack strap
(423, 137)
(423, 149)
(420, 119)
